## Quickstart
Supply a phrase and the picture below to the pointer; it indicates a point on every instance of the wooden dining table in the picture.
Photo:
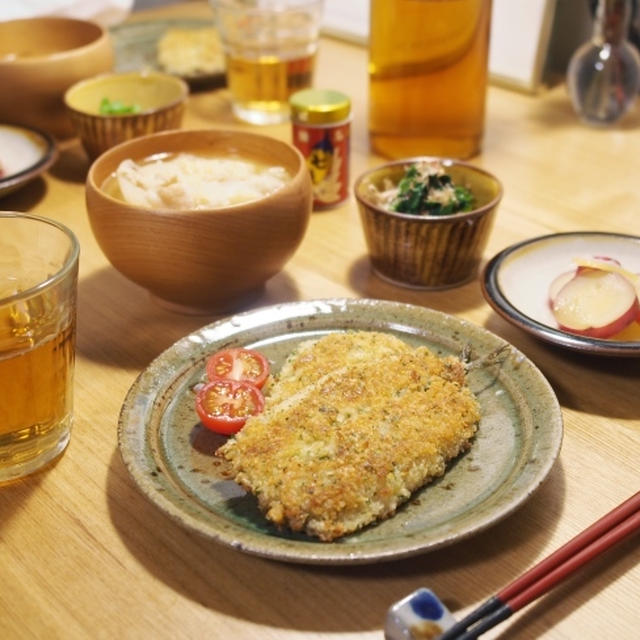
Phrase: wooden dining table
(85, 554)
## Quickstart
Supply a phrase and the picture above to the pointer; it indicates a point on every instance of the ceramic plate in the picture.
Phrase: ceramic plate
(170, 456)
(135, 47)
(24, 154)
(516, 284)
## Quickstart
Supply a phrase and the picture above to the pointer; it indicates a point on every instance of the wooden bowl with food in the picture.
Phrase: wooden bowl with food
(200, 218)
(40, 58)
(114, 107)
(426, 221)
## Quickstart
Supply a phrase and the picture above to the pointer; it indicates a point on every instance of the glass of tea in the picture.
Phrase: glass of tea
(38, 283)
(270, 48)
(428, 65)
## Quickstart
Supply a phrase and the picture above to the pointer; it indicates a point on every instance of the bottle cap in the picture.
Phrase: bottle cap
(319, 106)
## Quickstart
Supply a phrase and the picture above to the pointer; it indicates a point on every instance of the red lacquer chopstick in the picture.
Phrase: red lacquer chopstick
(616, 525)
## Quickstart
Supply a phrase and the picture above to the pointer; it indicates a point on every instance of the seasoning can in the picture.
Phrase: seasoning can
(321, 121)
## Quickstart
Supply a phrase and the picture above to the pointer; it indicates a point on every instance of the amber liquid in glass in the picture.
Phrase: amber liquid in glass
(263, 84)
(35, 397)
(427, 76)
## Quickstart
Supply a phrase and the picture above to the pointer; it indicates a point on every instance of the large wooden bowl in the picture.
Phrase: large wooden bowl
(40, 58)
(204, 260)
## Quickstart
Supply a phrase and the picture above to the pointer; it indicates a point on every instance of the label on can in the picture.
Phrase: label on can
(326, 150)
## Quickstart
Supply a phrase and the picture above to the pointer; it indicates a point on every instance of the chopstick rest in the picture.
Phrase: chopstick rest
(420, 614)
(612, 528)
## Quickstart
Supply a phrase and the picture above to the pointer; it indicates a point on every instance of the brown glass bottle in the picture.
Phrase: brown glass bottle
(427, 76)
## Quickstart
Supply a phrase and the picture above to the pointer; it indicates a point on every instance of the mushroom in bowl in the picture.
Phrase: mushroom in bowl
(426, 221)
(200, 218)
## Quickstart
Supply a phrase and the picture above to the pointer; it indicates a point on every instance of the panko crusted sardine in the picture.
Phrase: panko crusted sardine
(346, 440)
(315, 358)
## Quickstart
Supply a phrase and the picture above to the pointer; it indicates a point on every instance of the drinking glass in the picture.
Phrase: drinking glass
(38, 283)
(270, 48)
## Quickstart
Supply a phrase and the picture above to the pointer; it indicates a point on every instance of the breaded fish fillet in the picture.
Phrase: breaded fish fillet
(315, 358)
(349, 447)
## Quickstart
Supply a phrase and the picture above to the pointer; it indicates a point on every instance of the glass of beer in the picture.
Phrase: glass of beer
(270, 48)
(428, 62)
(38, 283)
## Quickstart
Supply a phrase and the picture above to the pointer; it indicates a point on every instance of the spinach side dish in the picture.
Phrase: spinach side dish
(424, 189)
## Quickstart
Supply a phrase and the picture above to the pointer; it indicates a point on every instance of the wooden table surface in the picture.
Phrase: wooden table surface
(85, 555)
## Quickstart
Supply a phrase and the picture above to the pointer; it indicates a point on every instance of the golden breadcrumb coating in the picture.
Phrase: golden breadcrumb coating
(352, 438)
(313, 359)
(190, 52)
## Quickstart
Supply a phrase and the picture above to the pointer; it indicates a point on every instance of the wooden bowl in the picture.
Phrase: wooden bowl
(428, 252)
(40, 58)
(159, 98)
(202, 260)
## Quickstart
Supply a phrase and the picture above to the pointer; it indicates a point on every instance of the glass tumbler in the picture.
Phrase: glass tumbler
(270, 48)
(38, 283)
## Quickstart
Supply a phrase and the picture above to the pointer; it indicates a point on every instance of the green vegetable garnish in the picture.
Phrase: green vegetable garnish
(117, 108)
(425, 189)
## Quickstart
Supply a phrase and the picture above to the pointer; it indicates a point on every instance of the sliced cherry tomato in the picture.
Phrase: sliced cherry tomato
(224, 405)
(238, 363)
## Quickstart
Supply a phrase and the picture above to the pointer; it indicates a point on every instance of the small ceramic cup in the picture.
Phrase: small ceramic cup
(424, 251)
(157, 101)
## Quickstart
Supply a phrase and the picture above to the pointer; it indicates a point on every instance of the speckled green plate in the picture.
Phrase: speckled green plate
(135, 48)
(170, 455)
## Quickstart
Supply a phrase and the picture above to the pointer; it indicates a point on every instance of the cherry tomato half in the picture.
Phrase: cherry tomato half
(223, 405)
(238, 363)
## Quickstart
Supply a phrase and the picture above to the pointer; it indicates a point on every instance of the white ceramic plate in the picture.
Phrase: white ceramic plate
(516, 284)
(170, 455)
(24, 154)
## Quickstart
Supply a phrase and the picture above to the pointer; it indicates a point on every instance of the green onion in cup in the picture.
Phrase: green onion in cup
(117, 108)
